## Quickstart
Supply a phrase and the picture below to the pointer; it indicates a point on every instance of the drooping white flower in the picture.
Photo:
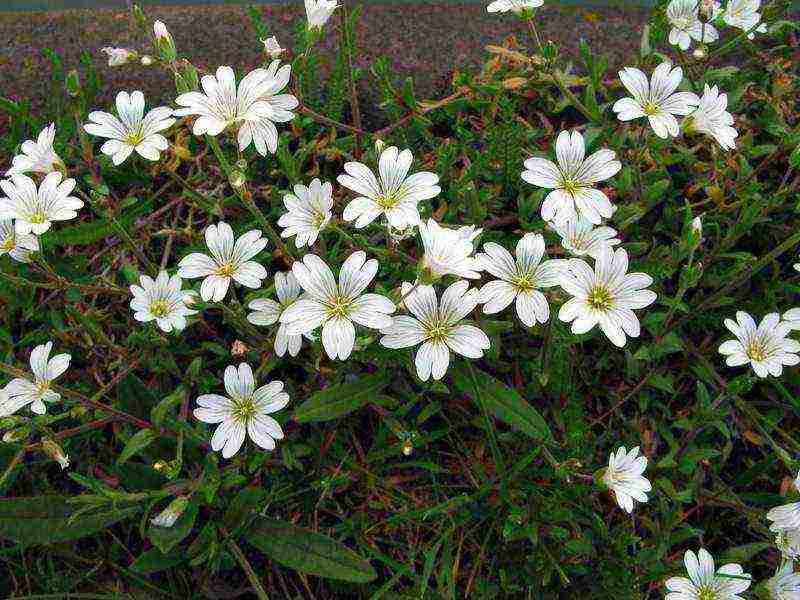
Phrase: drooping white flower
(267, 312)
(792, 317)
(394, 193)
(655, 99)
(684, 16)
(712, 118)
(17, 246)
(245, 411)
(744, 15)
(163, 301)
(787, 516)
(449, 251)
(229, 260)
(336, 306)
(253, 108)
(581, 238)
(319, 11)
(572, 180)
(38, 156)
(167, 517)
(56, 452)
(118, 56)
(519, 279)
(605, 296)
(436, 325)
(34, 209)
(308, 212)
(785, 584)
(764, 347)
(133, 130)
(272, 47)
(624, 477)
(21, 392)
(705, 581)
(515, 6)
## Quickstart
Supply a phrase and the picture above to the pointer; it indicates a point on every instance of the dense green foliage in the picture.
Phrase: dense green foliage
(480, 485)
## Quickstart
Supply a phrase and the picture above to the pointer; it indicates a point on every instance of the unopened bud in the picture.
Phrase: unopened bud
(172, 513)
(238, 348)
(55, 452)
(697, 226)
(147, 60)
(408, 448)
(159, 465)
(241, 164)
(379, 145)
(700, 52)
(164, 43)
(118, 56)
(16, 435)
(272, 47)
(73, 83)
(237, 178)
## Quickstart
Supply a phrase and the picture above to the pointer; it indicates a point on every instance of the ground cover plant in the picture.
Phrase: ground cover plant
(534, 338)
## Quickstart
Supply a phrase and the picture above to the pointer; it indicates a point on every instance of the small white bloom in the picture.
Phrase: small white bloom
(449, 251)
(168, 516)
(581, 238)
(254, 107)
(572, 180)
(792, 318)
(22, 392)
(624, 477)
(118, 56)
(272, 47)
(38, 156)
(34, 209)
(785, 584)
(267, 312)
(656, 99)
(230, 259)
(787, 516)
(319, 11)
(765, 347)
(162, 300)
(245, 410)
(336, 306)
(705, 582)
(436, 326)
(17, 246)
(393, 193)
(161, 33)
(684, 16)
(605, 296)
(744, 15)
(519, 280)
(712, 118)
(133, 130)
(697, 226)
(516, 6)
(788, 542)
(308, 212)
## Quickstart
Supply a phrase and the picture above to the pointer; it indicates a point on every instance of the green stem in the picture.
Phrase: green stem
(498, 458)
(248, 569)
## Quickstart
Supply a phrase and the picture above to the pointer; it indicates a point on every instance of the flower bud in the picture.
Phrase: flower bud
(16, 435)
(164, 43)
(172, 513)
(379, 146)
(73, 83)
(408, 448)
(147, 60)
(272, 47)
(697, 226)
(700, 52)
(55, 452)
(238, 348)
(237, 178)
(118, 56)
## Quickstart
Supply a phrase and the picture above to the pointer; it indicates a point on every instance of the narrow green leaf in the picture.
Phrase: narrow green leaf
(245, 502)
(308, 552)
(153, 561)
(139, 441)
(340, 400)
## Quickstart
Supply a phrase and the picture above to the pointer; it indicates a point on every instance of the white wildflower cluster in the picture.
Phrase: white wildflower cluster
(694, 21)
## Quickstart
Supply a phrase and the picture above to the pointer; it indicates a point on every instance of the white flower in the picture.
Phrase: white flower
(308, 212)
(118, 56)
(34, 209)
(705, 582)
(449, 251)
(516, 6)
(394, 193)
(788, 542)
(657, 99)
(133, 130)
(581, 238)
(792, 317)
(336, 306)
(519, 280)
(712, 119)
(23, 392)
(38, 156)
(319, 11)
(17, 246)
(605, 295)
(267, 312)
(572, 180)
(787, 516)
(162, 300)
(684, 17)
(436, 326)
(272, 47)
(246, 410)
(228, 261)
(168, 516)
(744, 15)
(766, 347)
(253, 108)
(697, 226)
(785, 584)
(161, 33)
(624, 477)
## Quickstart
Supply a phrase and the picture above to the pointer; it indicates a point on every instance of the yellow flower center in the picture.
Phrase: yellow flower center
(524, 282)
(226, 270)
(706, 593)
(134, 138)
(338, 307)
(159, 308)
(37, 217)
(386, 201)
(9, 244)
(42, 386)
(437, 331)
(600, 298)
(318, 220)
(650, 109)
(755, 351)
(244, 409)
(570, 186)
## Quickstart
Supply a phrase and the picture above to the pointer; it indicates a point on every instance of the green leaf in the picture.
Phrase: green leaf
(246, 501)
(340, 400)
(503, 402)
(46, 519)
(308, 552)
(153, 561)
(139, 441)
(166, 538)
